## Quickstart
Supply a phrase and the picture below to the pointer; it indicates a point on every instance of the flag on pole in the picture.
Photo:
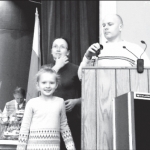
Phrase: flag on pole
(35, 62)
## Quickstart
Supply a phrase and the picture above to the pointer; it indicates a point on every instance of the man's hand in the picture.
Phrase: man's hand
(60, 62)
(91, 51)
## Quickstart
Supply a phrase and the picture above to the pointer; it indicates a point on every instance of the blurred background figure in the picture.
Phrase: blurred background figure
(18, 103)
(12, 115)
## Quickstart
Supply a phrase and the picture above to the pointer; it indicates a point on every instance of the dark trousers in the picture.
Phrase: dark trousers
(75, 127)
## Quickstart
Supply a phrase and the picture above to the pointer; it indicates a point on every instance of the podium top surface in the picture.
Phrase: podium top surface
(112, 82)
(93, 67)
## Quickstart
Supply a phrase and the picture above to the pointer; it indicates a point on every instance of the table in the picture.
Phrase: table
(8, 144)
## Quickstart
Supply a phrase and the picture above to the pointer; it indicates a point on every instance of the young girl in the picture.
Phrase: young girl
(45, 117)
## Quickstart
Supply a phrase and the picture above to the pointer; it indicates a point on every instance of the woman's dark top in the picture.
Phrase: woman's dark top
(70, 88)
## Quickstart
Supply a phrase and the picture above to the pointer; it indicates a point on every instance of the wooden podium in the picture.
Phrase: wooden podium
(104, 115)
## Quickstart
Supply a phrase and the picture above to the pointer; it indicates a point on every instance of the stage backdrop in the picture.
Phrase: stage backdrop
(16, 36)
(136, 17)
(77, 21)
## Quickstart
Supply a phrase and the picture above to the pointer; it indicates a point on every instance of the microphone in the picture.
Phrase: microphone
(99, 50)
(140, 62)
(143, 42)
(130, 51)
(140, 65)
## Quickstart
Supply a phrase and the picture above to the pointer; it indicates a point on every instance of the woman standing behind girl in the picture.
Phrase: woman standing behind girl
(45, 117)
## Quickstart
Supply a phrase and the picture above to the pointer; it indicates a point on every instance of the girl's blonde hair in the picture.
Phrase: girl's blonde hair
(47, 69)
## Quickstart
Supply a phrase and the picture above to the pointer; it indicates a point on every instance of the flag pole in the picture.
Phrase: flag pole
(35, 62)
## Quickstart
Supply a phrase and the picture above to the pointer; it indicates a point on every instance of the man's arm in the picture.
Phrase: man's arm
(87, 57)
(84, 63)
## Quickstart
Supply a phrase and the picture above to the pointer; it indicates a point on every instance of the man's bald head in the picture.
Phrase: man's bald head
(115, 17)
(120, 19)
(112, 27)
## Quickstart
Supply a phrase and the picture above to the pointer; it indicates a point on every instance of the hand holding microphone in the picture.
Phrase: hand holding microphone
(93, 50)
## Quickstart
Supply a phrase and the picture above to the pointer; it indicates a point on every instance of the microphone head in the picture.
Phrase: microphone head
(124, 47)
(98, 51)
(142, 42)
(101, 47)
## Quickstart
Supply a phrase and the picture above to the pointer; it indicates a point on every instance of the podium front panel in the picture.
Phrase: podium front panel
(99, 87)
(89, 107)
(105, 93)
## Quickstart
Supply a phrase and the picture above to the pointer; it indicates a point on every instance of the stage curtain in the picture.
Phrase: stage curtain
(77, 21)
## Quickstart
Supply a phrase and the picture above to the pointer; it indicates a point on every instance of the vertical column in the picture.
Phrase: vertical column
(89, 111)
(105, 94)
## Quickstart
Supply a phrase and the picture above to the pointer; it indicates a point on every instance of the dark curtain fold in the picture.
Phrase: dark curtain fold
(76, 21)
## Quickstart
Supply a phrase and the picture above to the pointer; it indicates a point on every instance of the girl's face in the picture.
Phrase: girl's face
(47, 84)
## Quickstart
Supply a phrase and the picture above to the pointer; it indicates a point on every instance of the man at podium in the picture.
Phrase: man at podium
(116, 52)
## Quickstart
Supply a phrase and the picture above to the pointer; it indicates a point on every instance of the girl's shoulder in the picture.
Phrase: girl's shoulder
(58, 99)
(33, 100)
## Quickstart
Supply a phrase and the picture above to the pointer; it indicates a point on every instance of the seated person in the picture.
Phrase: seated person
(113, 53)
(13, 114)
(18, 103)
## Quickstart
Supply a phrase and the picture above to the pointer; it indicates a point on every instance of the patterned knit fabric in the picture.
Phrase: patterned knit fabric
(44, 139)
(68, 139)
(23, 139)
